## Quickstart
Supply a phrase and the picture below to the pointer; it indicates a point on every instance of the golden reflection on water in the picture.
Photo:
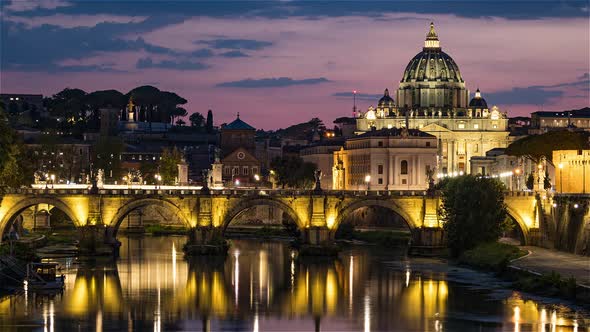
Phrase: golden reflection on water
(262, 286)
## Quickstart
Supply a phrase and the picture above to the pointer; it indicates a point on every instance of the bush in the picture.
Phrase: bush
(384, 238)
(492, 256)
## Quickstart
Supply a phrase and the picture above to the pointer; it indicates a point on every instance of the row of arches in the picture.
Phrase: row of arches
(379, 208)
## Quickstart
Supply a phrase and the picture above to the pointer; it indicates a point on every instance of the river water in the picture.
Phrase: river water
(261, 286)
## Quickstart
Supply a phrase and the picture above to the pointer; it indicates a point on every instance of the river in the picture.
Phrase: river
(261, 286)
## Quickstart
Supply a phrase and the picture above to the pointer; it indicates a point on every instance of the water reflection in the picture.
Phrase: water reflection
(263, 286)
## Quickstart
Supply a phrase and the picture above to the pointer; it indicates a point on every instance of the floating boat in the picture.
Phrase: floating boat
(43, 277)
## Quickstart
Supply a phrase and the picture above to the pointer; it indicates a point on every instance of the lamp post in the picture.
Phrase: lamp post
(368, 181)
(158, 181)
(560, 177)
(257, 179)
(517, 174)
(237, 182)
(52, 180)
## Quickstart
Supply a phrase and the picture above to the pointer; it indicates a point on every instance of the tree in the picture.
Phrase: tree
(13, 170)
(473, 211)
(530, 182)
(196, 119)
(535, 147)
(169, 165)
(209, 125)
(180, 122)
(178, 112)
(293, 172)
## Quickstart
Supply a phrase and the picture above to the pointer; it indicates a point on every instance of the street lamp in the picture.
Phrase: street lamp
(256, 178)
(237, 182)
(158, 180)
(560, 177)
(52, 180)
(517, 174)
(368, 181)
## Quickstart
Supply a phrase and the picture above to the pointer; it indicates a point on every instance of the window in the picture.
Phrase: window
(427, 143)
(226, 170)
(404, 167)
(476, 126)
(380, 181)
(404, 181)
(379, 169)
(235, 170)
(380, 143)
(461, 126)
(254, 170)
(245, 170)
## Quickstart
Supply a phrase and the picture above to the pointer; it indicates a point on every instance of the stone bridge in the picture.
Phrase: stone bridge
(316, 214)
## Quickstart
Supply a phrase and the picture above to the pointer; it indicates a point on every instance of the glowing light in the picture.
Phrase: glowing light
(560, 165)
(576, 206)
(367, 316)
(237, 274)
(173, 264)
(367, 178)
(407, 278)
(350, 280)
(516, 319)
(256, 177)
(255, 329)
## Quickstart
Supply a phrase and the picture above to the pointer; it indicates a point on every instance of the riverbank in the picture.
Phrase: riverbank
(553, 280)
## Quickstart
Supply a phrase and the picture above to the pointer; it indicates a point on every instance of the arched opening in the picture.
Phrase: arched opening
(512, 231)
(374, 222)
(154, 216)
(41, 222)
(262, 217)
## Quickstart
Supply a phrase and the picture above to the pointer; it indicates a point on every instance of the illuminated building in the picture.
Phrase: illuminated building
(432, 97)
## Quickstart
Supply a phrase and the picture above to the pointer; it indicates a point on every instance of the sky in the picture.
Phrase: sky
(283, 62)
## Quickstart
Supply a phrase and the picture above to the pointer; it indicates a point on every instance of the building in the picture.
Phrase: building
(386, 159)
(572, 174)
(542, 122)
(238, 148)
(322, 155)
(19, 103)
(432, 97)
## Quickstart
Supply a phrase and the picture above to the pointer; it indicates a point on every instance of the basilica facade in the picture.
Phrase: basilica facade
(432, 97)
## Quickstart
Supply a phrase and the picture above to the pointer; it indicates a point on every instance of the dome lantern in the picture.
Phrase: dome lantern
(432, 38)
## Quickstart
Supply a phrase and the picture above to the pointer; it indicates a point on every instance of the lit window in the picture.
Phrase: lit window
(461, 126)
(16, 98)
(476, 126)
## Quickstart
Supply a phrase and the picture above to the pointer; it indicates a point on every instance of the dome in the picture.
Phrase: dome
(386, 100)
(432, 64)
(478, 101)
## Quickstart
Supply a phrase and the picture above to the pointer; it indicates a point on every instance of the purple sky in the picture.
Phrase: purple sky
(279, 63)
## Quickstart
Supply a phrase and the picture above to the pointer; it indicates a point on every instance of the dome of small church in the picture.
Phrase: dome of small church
(386, 100)
(432, 64)
(478, 101)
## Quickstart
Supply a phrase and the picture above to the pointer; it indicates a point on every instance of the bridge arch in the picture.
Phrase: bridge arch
(388, 204)
(511, 213)
(26, 203)
(244, 205)
(143, 202)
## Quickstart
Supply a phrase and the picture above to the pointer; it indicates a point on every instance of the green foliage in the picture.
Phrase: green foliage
(169, 165)
(106, 156)
(492, 256)
(159, 230)
(535, 147)
(13, 168)
(293, 172)
(551, 284)
(530, 182)
(303, 130)
(473, 211)
(197, 120)
(388, 239)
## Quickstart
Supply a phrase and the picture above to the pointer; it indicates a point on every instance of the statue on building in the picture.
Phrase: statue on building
(318, 176)
(100, 178)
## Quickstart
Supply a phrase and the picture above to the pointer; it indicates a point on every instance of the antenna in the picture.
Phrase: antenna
(354, 103)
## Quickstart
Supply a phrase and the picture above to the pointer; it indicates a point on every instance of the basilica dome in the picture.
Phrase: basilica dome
(432, 64)
(432, 80)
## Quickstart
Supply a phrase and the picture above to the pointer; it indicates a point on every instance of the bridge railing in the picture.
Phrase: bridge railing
(225, 192)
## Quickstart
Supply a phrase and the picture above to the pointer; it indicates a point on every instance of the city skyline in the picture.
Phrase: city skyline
(292, 59)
